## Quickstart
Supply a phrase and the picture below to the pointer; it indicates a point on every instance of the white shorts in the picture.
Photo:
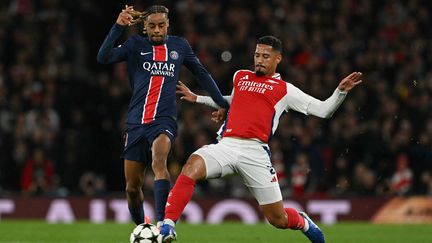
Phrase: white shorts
(248, 158)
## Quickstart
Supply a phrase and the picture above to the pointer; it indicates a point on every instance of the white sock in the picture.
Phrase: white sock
(169, 222)
(159, 224)
(306, 227)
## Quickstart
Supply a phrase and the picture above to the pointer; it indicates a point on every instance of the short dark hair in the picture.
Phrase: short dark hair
(271, 41)
(156, 9)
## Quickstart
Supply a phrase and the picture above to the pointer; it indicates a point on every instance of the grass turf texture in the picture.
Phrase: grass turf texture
(38, 231)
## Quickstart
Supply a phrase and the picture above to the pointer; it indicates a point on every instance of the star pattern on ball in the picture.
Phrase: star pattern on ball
(154, 238)
(138, 238)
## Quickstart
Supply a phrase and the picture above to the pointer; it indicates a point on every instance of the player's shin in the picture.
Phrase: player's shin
(137, 214)
(179, 197)
(135, 199)
(161, 190)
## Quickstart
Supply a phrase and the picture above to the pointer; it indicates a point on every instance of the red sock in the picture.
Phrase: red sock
(179, 197)
(295, 220)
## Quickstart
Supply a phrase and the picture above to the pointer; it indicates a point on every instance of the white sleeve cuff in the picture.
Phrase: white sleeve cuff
(206, 100)
(325, 109)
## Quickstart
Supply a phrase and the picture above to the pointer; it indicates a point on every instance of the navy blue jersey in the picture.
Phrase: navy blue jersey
(153, 73)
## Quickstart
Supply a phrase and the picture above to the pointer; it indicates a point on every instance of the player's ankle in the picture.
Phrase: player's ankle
(169, 222)
(159, 224)
(306, 226)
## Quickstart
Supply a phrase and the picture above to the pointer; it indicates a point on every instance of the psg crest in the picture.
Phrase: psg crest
(174, 55)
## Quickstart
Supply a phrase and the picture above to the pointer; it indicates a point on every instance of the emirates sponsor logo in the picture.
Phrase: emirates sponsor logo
(252, 86)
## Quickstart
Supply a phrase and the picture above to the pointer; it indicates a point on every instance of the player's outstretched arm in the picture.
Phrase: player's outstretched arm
(107, 53)
(325, 109)
(188, 95)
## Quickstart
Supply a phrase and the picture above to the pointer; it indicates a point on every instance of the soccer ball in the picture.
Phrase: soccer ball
(146, 233)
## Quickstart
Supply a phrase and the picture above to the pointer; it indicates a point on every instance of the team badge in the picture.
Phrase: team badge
(174, 55)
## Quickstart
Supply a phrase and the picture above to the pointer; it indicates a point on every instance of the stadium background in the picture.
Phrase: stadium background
(57, 104)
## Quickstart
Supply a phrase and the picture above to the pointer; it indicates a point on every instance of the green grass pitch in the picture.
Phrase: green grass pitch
(38, 231)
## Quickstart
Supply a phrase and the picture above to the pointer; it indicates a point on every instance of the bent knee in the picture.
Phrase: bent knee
(133, 191)
(195, 167)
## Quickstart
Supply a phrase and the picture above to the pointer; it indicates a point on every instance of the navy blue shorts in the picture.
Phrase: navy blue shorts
(138, 139)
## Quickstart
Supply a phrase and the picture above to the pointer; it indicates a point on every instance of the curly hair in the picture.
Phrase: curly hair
(138, 16)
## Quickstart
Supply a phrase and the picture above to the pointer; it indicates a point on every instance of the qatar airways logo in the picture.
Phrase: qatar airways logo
(159, 68)
(252, 86)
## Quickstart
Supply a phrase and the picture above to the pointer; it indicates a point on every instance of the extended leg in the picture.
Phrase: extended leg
(289, 218)
(134, 174)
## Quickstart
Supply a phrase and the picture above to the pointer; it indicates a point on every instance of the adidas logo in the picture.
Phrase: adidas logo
(245, 77)
(274, 179)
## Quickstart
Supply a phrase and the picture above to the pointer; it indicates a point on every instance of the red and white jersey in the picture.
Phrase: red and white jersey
(257, 104)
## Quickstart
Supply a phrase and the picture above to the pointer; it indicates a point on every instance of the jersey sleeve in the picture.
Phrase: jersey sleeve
(205, 80)
(107, 53)
(296, 99)
(208, 101)
(325, 109)
(308, 105)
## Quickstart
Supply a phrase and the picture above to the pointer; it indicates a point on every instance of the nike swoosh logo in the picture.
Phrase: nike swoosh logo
(145, 53)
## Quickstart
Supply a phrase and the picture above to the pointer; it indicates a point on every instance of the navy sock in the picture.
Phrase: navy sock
(137, 214)
(161, 189)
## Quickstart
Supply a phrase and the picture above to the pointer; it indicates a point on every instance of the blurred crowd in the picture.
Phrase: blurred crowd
(62, 114)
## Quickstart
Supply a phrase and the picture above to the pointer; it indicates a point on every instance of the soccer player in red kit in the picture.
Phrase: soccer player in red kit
(258, 99)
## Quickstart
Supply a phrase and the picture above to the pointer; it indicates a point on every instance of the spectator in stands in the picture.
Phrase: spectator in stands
(401, 181)
(38, 174)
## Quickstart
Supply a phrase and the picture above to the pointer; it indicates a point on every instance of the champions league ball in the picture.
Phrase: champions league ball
(146, 233)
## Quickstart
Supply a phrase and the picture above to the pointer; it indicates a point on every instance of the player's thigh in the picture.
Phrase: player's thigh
(161, 147)
(218, 160)
(134, 172)
(161, 134)
(265, 195)
(194, 168)
(259, 176)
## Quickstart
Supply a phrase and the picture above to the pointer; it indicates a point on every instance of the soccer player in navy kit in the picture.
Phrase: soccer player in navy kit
(153, 62)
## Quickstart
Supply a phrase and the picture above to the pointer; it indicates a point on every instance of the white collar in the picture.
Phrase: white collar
(276, 76)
